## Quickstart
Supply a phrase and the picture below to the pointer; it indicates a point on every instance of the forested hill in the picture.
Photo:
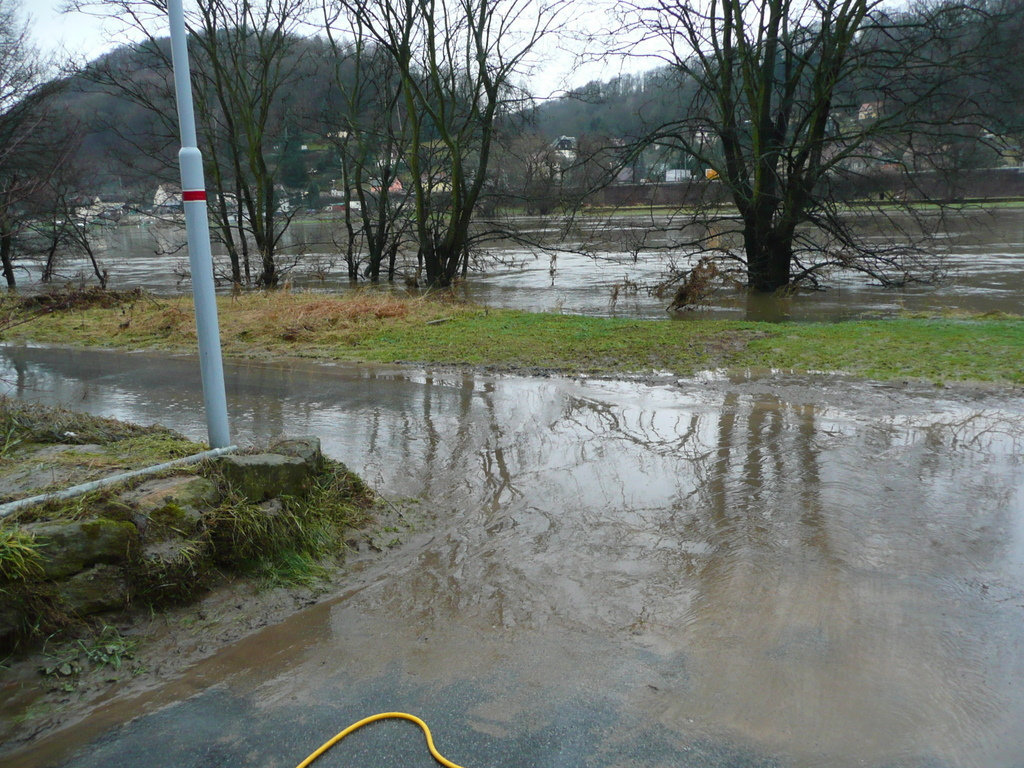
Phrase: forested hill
(120, 135)
(626, 106)
(129, 145)
(122, 103)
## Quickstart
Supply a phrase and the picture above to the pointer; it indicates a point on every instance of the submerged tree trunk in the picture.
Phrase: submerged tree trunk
(51, 258)
(769, 257)
(441, 265)
(222, 217)
(392, 256)
(101, 274)
(242, 239)
(229, 240)
(268, 276)
(6, 247)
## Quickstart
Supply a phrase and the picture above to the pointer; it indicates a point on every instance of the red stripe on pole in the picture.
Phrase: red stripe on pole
(192, 195)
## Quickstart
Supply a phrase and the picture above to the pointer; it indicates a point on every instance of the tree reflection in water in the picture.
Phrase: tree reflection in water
(800, 561)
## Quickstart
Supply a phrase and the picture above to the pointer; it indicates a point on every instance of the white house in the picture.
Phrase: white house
(167, 198)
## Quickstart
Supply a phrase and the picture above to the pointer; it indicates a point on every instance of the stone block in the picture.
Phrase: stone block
(100, 588)
(171, 571)
(306, 448)
(67, 547)
(172, 504)
(266, 475)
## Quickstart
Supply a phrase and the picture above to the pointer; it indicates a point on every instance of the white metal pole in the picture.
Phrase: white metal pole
(197, 226)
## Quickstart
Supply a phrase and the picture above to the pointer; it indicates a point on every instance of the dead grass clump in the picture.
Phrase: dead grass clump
(249, 322)
(696, 285)
(173, 320)
(626, 287)
(379, 306)
(30, 423)
(314, 318)
(68, 298)
(354, 308)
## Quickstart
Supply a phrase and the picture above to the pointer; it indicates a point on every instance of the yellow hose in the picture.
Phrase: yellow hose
(373, 718)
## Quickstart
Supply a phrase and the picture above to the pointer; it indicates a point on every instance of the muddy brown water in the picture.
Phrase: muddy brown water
(763, 570)
(982, 253)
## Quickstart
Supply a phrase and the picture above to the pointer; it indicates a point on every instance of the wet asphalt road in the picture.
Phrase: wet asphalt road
(575, 706)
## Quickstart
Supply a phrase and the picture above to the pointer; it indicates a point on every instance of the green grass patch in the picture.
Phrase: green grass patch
(108, 648)
(19, 557)
(151, 448)
(99, 647)
(381, 327)
(937, 350)
(102, 502)
(294, 568)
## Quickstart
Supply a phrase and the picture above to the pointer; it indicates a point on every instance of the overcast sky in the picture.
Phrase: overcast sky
(84, 36)
(75, 33)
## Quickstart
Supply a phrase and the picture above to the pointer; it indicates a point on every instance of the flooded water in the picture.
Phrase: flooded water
(983, 254)
(752, 571)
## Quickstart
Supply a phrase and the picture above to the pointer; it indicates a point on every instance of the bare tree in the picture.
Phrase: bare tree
(63, 217)
(246, 56)
(370, 133)
(797, 105)
(532, 169)
(457, 64)
(30, 151)
(999, 78)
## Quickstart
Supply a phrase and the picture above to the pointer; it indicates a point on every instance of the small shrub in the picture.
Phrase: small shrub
(108, 648)
(28, 602)
(285, 540)
(696, 285)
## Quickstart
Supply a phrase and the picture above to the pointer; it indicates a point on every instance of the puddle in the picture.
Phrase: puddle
(809, 571)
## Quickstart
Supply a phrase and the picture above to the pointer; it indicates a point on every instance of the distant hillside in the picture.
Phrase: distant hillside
(625, 106)
(131, 148)
(119, 136)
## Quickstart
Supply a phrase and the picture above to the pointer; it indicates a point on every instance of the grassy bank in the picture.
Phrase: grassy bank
(107, 593)
(370, 327)
(156, 540)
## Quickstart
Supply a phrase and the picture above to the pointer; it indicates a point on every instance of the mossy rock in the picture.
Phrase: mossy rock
(306, 448)
(67, 547)
(172, 506)
(266, 475)
(100, 588)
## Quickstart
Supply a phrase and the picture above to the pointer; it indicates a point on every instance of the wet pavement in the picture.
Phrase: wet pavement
(758, 571)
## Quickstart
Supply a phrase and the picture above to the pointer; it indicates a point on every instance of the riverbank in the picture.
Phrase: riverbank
(384, 328)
